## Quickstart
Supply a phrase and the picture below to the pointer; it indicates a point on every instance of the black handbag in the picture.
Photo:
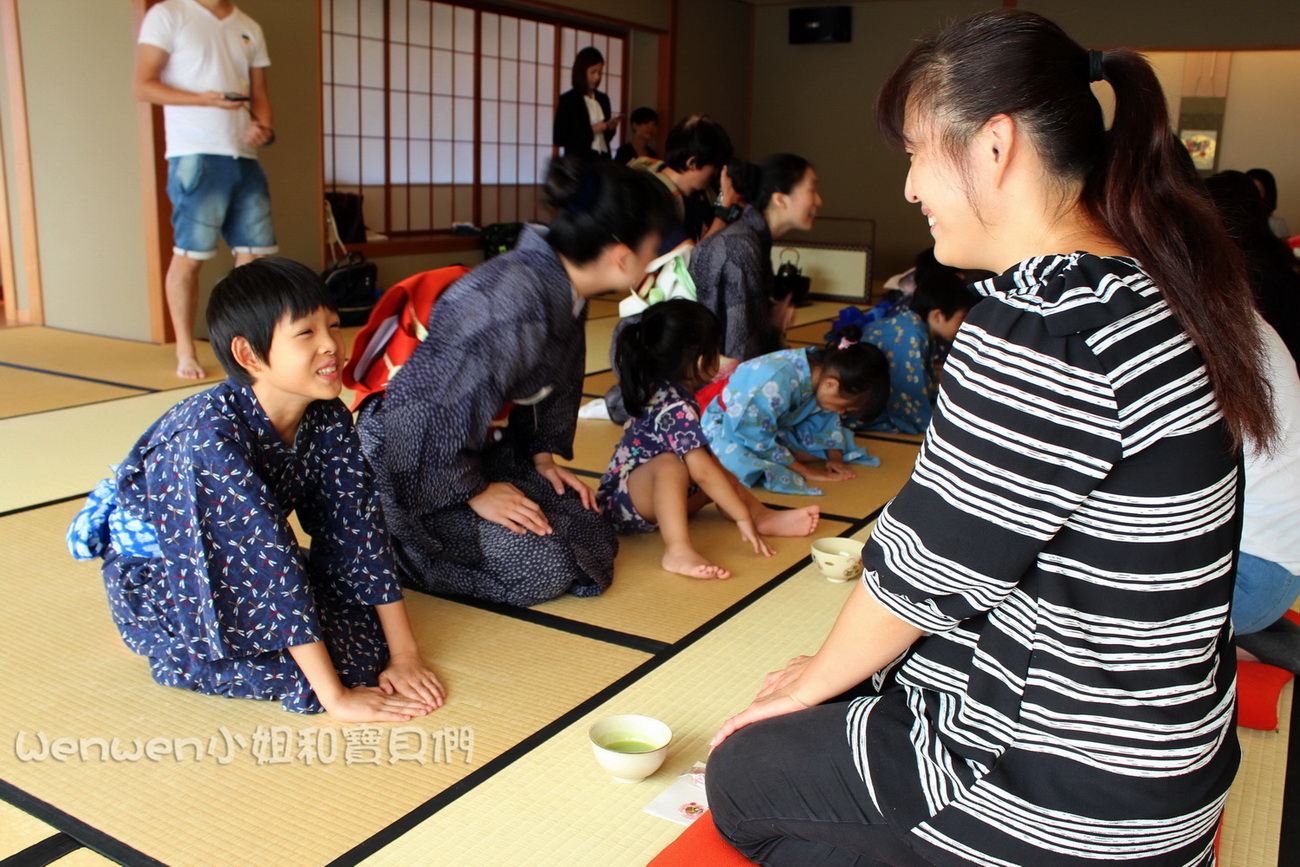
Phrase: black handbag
(346, 208)
(352, 279)
(789, 280)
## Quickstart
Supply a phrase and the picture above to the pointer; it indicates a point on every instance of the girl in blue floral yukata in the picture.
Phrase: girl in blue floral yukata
(663, 471)
(203, 571)
(913, 341)
(781, 411)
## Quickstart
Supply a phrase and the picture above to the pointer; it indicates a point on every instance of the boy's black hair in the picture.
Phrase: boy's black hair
(697, 136)
(861, 368)
(940, 287)
(666, 344)
(252, 298)
(644, 114)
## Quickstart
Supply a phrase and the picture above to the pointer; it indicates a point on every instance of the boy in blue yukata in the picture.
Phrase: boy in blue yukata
(914, 341)
(203, 571)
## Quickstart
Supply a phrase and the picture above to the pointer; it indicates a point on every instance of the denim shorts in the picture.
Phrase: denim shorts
(219, 196)
(1264, 592)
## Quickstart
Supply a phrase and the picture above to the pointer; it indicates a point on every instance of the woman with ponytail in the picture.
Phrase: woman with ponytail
(1037, 666)
(463, 442)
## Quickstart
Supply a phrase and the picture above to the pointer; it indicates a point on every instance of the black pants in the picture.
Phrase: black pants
(785, 791)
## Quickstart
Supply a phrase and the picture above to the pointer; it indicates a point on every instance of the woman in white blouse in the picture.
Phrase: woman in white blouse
(584, 124)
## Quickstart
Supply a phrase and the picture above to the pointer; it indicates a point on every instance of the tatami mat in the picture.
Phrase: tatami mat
(599, 332)
(599, 383)
(648, 601)
(599, 308)
(874, 486)
(18, 830)
(63, 452)
(144, 365)
(27, 391)
(587, 818)
(1253, 818)
(501, 673)
(817, 311)
(814, 332)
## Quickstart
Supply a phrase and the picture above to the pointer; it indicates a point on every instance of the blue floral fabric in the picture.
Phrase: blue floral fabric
(770, 414)
(225, 590)
(670, 422)
(904, 338)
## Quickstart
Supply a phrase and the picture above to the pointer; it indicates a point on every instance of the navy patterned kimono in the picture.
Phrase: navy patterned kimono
(203, 572)
(732, 271)
(510, 331)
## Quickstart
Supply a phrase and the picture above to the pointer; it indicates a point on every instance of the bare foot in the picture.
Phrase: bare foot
(789, 522)
(689, 562)
(187, 367)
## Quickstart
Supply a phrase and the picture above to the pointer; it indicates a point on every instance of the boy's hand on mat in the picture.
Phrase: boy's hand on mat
(371, 704)
(409, 675)
(502, 503)
(750, 534)
(839, 471)
(560, 478)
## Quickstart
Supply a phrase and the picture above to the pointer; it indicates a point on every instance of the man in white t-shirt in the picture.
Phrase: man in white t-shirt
(1268, 571)
(205, 62)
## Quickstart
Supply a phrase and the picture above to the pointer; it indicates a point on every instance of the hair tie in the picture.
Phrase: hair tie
(845, 343)
(589, 190)
(1095, 71)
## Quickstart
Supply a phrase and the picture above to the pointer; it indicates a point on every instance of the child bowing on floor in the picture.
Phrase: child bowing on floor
(662, 471)
(203, 572)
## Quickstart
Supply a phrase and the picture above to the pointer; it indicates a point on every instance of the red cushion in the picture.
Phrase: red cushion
(1258, 687)
(700, 845)
(1293, 616)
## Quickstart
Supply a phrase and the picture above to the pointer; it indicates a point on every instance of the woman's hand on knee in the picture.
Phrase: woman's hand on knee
(776, 698)
(561, 478)
(502, 503)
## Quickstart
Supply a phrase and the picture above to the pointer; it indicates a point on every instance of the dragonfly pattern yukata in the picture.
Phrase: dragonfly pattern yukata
(222, 590)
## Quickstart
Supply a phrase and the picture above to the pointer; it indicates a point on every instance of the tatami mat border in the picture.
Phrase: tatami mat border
(77, 376)
(45, 852)
(88, 836)
(66, 499)
(563, 624)
(364, 850)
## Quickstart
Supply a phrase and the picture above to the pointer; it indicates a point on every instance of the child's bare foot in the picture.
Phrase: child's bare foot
(689, 562)
(188, 367)
(789, 522)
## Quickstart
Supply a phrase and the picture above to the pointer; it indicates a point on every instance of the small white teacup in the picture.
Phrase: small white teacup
(630, 746)
(838, 559)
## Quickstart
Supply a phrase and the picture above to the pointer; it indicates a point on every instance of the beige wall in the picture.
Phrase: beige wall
(816, 100)
(85, 165)
(1261, 127)
(712, 65)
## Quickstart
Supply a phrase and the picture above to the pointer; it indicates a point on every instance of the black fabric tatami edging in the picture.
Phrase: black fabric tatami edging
(34, 506)
(85, 835)
(80, 377)
(430, 807)
(45, 852)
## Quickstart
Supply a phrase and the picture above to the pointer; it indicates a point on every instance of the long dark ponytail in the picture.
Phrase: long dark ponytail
(1018, 63)
(667, 344)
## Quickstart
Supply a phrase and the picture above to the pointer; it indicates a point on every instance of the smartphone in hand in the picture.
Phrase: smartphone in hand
(235, 97)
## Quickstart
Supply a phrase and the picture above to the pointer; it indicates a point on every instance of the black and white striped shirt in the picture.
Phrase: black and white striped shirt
(1067, 539)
